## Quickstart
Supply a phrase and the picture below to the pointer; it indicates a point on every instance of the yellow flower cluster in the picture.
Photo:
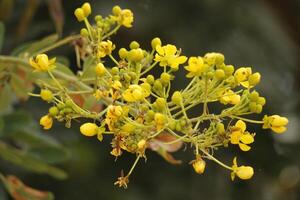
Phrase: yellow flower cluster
(141, 111)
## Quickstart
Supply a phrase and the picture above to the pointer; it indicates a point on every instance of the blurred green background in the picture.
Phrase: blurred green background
(264, 34)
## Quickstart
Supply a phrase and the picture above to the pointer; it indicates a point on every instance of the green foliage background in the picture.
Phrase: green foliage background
(264, 34)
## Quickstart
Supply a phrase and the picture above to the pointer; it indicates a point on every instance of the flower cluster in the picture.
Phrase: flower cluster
(140, 112)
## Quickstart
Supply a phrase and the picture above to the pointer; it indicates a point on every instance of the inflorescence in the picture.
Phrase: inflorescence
(139, 109)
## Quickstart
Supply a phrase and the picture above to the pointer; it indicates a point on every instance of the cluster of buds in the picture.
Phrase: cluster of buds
(139, 110)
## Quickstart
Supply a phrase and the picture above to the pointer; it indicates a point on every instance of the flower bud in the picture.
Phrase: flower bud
(229, 69)
(135, 55)
(244, 172)
(155, 42)
(116, 10)
(89, 129)
(46, 95)
(53, 111)
(253, 96)
(261, 101)
(160, 102)
(165, 78)
(254, 79)
(79, 13)
(176, 98)
(123, 53)
(141, 144)
(84, 32)
(100, 69)
(199, 166)
(150, 79)
(86, 7)
(134, 45)
(220, 74)
(158, 85)
(46, 121)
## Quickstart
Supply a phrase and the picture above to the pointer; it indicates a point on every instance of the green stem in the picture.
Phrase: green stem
(113, 59)
(111, 32)
(133, 166)
(216, 160)
(149, 68)
(59, 43)
(247, 120)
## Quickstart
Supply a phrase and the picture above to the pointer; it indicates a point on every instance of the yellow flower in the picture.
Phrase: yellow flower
(242, 76)
(42, 63)
(168, 56)
(112, 116)
(114, 112)
(105, 48)
(134, 93)
(100, 94)
(199, 165)
(160, 120)
(243, 172)
(214, 58)
(46, 121)
(128, 128)
(240, 136)
(195, 67)
(276, 123)
(142, 144)
(100, 69)
(125, 18)
(116, 85)
(230, 97)
(89, 129)
(46, 95)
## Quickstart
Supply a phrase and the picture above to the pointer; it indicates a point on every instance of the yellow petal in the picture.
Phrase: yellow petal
(241, 124)
(159, 50)
(247, 138)
(170, 49)
(235, 137)
(244, 147)
(181, 59)
(278, 129)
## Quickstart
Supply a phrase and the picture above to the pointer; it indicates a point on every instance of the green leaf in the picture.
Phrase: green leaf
(18, 190)
(6, 98)
(63, 68)
(35, 47)
(20, 86)
(21, 128)
(28, 162)
(90, 102)
(2, 32)
(88, 68)
(21, 48)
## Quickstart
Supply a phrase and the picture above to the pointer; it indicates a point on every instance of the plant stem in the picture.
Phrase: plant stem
(59, 43)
